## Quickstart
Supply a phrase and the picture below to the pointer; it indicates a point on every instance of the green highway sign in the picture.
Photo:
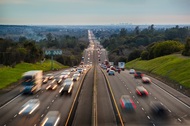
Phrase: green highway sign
(53, 52)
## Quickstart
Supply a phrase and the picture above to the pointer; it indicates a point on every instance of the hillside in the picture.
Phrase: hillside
(174, 67)
(10, 75)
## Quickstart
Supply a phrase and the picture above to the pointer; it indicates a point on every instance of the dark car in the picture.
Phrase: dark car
(158, 109)
(138, 74)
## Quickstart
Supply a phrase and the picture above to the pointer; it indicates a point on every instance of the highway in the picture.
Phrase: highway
(95, 99)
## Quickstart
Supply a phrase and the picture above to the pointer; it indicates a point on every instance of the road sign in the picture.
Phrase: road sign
(53, 52)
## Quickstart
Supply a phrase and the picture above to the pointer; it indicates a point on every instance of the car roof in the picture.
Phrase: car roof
(140, 88)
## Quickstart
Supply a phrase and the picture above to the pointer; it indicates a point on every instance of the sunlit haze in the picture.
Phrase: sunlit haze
(94, 12)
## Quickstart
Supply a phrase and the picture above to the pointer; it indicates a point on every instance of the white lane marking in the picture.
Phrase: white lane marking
(154, 97)
(143, 109)
(169, 110)
(172, 96)
(42, 115)
(179, 119)
(148, 117)
(15, 115)
(10, 101)
(35, 125)
(52, 100)
(137, 102)
(154, 124)
(48, 107)
(130, 92)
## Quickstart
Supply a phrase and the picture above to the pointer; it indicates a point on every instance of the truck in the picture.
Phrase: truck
(31, 81)
(121, 65)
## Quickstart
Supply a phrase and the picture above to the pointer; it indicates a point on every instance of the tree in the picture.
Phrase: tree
(135, 54)
(123, 32)
(186, 51)
(145, 55)
(137, 30)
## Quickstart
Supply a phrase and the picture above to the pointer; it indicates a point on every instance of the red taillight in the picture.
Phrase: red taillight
(122, 103)
(138, 92)
(146, 92)
(133, 104)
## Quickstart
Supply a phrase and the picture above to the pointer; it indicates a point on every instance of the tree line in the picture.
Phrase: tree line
(30, 51)
(147, 43)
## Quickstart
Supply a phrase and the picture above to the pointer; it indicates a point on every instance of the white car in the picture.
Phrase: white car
(75, 77)
(146, 80)
(67, 86)
(131, 71)
(52, 118)
(29, 107)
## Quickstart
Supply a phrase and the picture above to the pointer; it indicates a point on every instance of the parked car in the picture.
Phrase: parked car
(141, 91)
(138, 74)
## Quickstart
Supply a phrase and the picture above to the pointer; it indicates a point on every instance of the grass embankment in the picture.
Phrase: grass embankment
(10, 75)
(175, 67)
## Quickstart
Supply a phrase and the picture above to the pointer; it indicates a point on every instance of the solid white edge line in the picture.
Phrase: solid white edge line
(10, 101)
(172, 96)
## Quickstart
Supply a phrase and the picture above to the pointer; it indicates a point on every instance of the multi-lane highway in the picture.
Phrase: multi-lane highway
(95, 99)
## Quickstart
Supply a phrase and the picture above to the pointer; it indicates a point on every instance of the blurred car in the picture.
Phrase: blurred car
(80, 70)
(73, 69)
(138, 74)
(52, 85)
(75, 77)
(45, 80)
(67, 72)
(111, 72)
(77, 73)
(131, 71)
(67, 86)
(146, 80)
(107, 70)
(64, 75)
(59, 79)
(141, 91)
(127, 103)
(50, 76)
(158, 109)
(29, 107)
(52, 118)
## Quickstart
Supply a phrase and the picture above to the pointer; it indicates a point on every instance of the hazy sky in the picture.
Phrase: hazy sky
(85, 12)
